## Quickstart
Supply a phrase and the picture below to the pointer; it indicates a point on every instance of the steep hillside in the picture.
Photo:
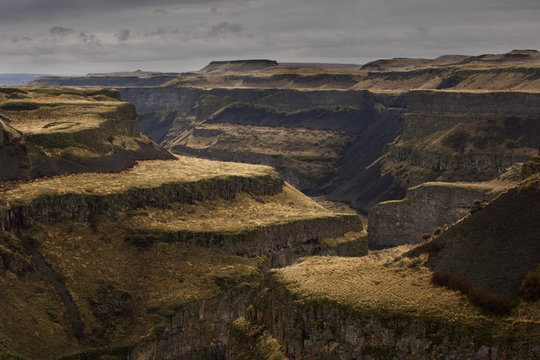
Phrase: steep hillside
(320, 141)
(449, 136)
(108, 259)
(506, 229)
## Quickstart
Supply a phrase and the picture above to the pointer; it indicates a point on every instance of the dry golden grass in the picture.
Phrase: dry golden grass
(494, 132)
(348, 237)
(243, 213)
(495, 72)
(273, 140)
(494, 186)
(380, 284)
(47, 110)
(145, 174)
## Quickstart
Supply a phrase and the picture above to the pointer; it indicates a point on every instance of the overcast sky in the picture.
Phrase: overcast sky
(81, 36)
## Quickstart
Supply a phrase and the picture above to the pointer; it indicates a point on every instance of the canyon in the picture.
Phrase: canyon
(178, 227)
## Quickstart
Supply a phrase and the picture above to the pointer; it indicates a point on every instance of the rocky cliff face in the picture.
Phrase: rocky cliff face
(200, 330)
(375, 105)
(320, 329)
(425, 209)
(448, 136)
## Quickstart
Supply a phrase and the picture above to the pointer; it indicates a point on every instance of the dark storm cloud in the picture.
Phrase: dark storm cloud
(123, 35)
(176, 35)
(59, 30)
(91, 39)
(12, 11)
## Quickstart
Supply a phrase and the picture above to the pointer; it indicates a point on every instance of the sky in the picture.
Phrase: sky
(74, 37)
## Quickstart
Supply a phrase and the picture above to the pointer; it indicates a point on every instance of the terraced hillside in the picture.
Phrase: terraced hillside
(177, 258)
(108, 259)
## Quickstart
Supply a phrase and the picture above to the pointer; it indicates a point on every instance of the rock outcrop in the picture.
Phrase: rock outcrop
(51, 131)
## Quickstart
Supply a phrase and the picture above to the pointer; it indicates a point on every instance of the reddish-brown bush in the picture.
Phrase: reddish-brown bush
(530, 287)
(491, 303)
(452, 281)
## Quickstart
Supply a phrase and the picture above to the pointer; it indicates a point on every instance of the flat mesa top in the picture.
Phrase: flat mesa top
(242, 213)
(48, 110)
(145, 174)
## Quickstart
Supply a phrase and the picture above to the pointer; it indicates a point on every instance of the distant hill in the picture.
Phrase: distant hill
(17, 79)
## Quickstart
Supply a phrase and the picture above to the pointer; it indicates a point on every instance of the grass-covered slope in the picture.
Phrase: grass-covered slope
(470, 292)
(49, 131)
(149, 183)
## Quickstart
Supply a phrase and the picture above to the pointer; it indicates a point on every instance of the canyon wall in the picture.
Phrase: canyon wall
(424, 209)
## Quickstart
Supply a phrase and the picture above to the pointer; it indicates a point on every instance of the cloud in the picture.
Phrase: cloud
(13, 11)
(90, 39)
(224, 28)
(159, 31)
(123, 35)
(59, 30)
(26, 38)
(161, 11)
(182, 35)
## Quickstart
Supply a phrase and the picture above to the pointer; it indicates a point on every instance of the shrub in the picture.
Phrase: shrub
(492, 303)
(477, 205)
(530, 287)
(452, 281)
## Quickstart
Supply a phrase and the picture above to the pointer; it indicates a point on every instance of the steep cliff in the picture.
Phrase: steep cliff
(320, 141)
(472, 126)
(426, 208)
(449, 136)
